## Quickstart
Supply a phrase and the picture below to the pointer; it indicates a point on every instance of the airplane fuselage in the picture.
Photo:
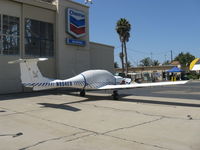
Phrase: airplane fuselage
(91, 79)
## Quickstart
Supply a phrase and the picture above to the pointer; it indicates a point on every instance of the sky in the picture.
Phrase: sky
(158, 27)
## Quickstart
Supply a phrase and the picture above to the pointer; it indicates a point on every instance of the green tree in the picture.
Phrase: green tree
(146, 62)
(123, 28)
(129, 64)
(167, 62)
(116, 65)
(155, 63)
(185, 59)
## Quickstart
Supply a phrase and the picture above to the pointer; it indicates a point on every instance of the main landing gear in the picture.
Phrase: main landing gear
(82, 93)
(115, 95)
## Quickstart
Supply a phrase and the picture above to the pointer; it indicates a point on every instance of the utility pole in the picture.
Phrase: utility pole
(171, 56)
(151, 59)
(151, 56)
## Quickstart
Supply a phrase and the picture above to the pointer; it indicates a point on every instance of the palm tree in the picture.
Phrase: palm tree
(123, 28)
(155, 63)
(121, 56)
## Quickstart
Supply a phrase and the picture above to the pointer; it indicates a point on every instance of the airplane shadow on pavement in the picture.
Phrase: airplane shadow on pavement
(90, 98)
(93, 98)
(59, 106)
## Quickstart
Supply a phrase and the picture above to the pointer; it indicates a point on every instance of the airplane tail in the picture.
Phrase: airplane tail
(30, 73)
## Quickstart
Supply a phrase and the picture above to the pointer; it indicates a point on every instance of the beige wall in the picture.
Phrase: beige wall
(10, 8)
(71, 60)
(102, 56)
(38, 13)
(48, 68)
(10, 74)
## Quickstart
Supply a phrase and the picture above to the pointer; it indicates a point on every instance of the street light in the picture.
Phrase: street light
(88, 1)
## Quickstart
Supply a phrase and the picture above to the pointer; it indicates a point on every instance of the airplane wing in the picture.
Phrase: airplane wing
(140, 85)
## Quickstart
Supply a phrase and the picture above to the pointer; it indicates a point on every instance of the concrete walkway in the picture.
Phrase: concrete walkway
(39, 121)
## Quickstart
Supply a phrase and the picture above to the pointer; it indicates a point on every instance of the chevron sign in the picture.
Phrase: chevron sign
(76, 24)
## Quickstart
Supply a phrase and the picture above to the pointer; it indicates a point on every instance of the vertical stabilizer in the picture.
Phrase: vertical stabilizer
(30, 73)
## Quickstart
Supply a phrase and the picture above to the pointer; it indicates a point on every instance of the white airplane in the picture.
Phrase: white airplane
(88, 80)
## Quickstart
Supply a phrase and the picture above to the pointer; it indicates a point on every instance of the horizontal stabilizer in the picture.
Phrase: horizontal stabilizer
(27, 60)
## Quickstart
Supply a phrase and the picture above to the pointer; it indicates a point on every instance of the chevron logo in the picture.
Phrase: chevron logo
(76, 24)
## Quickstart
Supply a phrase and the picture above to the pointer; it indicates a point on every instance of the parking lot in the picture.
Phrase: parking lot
(159, 118)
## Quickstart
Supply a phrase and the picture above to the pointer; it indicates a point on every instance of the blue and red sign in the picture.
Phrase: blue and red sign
(76, 22)
(75, 42)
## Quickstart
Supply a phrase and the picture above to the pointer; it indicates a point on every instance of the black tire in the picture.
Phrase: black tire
(115, 95)
(82, 93)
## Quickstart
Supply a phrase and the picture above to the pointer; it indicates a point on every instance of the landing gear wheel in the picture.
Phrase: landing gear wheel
(115, 95)
(82, 93)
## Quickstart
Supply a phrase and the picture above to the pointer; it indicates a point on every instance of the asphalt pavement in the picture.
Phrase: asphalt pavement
(157, 118)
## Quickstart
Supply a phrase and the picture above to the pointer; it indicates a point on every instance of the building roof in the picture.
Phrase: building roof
(147, 68)
(101, 44)
(48, 1)
(175, 63)
(38, 3)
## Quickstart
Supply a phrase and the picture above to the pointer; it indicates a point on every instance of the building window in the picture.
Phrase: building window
(39, 39)
(9, 35)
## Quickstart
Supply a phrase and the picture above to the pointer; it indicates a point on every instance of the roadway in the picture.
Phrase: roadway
(158, 118)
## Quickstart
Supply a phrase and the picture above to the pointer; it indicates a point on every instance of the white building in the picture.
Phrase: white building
(58, 31)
